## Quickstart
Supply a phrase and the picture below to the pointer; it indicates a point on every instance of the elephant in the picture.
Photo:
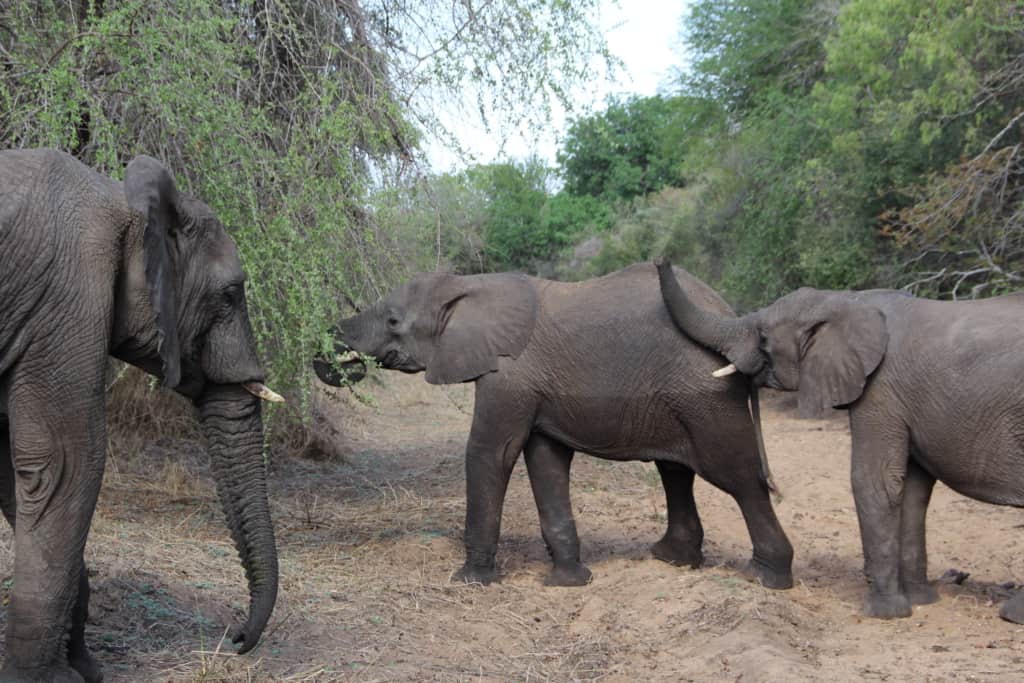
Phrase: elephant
(932, 392)
(92, 268)
(565, 367)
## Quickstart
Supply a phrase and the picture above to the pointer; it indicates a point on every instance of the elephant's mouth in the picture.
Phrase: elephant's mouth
(401, 361)
(344, 368)
(765, 377)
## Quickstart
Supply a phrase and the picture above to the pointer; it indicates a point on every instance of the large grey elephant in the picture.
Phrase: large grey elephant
(933, 392)
(565, 367)
(90, 267)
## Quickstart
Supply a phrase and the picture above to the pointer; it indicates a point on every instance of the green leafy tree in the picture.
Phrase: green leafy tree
(498, 216)
(286, 116)
(634, 147)
(745, 50)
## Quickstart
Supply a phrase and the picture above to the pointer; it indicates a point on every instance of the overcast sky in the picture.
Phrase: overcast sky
(644, 34)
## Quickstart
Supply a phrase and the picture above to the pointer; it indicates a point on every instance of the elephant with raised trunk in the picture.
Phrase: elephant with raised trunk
(91, 267)
(933, 392)
(564, 367)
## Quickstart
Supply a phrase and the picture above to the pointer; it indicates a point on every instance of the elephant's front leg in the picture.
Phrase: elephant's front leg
(681, 544)
(58, 467)
(917, 493)
(878, 472)
(491, 453)
(79, 657)
(548, 463)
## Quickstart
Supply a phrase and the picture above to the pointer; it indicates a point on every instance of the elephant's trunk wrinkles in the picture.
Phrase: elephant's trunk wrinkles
(734, 338)
(705, 328)
(361, 332)
(233, 427)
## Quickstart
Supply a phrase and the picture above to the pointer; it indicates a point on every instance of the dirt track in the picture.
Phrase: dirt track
(367, 547)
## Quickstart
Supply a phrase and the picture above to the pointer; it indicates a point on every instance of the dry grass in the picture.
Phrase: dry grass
(367, 547)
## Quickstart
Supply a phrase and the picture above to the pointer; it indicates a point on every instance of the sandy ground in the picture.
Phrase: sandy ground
(367, 547)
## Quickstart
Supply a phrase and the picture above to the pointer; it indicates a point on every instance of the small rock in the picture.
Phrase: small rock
(954, 576)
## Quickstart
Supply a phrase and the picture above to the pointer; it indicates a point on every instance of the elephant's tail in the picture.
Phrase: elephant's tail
(766, 474)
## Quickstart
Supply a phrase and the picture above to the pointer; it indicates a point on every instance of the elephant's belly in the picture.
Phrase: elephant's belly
(985, 462)
(617, 430)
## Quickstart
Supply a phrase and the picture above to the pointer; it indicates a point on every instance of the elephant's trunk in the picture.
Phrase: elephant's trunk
(734, 338)
(702, 326)
(363, 332)
(231, 421)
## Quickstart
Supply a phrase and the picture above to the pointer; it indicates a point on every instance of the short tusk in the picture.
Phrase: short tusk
(724, 372)
(261, 390)
(348, 357)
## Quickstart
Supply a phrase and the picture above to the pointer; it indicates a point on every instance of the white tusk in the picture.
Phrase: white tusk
(260, 389)
(347, 356)
(724, 372)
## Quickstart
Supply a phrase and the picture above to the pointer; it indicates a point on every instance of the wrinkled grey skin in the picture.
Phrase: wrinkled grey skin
(81, 258)
(559, 368)
(933, 392)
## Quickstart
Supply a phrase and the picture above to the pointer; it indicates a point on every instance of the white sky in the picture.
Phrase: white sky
(644, 34)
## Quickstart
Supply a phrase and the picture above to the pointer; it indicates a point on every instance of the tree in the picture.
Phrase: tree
(934, 119)
(634, 147)
(283, 115)
(745, 49)
(841, 161)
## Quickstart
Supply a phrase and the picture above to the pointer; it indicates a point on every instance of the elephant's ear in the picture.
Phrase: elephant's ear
(480, 318)
(149, 189)
(837, 356)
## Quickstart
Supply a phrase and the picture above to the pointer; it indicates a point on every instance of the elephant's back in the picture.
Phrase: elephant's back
(634, 285)
(616, 378)
(619, 326)
(59, 222)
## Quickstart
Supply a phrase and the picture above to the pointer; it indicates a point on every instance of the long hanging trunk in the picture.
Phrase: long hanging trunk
(703, 327)
(231, 421)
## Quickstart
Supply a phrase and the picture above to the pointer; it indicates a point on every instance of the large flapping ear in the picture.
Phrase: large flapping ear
(149, 189)
(838, 354)
(480, 318)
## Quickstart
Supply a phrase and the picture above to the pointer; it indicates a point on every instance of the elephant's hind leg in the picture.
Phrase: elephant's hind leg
(736, 469)
(548, 463)
(917, 492)
(681, 544)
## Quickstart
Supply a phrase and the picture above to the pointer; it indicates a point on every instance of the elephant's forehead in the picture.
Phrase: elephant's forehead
(415, 290)
(227, 264)
(223, 260)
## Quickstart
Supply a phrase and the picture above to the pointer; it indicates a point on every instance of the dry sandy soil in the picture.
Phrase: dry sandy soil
(367, 547)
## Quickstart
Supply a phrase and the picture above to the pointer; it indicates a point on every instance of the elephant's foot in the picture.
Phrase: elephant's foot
(574, 574)
(82, 661)
(920, 593)
(476, 574)
(677, 552)
(767, 576)
(1013, 609)
(881, 606)
(57, 673)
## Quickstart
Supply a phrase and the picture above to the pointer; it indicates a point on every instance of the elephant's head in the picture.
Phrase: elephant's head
(180, 313)
(821, 344)
(452, 326)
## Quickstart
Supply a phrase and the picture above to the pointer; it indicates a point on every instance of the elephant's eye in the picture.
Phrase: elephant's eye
(393, 320)
(232, 294)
